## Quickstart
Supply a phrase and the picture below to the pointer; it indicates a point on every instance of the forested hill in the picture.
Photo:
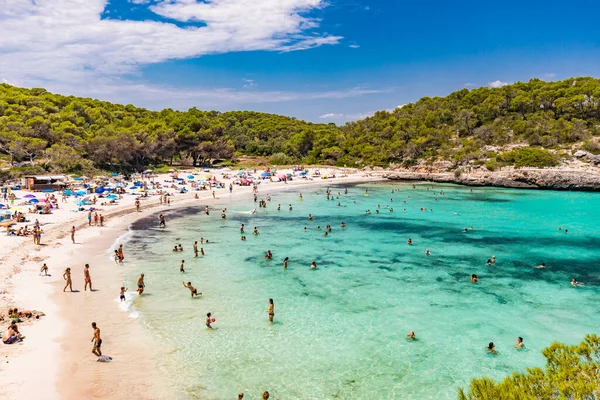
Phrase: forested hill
(535, 123)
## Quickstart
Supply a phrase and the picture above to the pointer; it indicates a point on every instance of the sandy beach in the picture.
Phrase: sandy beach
(55, 361)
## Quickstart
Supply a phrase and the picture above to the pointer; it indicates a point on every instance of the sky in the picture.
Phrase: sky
(317, 60)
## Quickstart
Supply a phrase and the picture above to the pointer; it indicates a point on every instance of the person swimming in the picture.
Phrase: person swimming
(575, 283)
(542, 265)
(181, 266)
(427, 253)
(343, 224)
(520, 343)
(474, 278)
(255, 231)
(209, 320)
(285, 262)
(310, 217)
(411, 335)
(268, 255)
(409, 241)
(489, 261)
(313, 265)
(491, 348)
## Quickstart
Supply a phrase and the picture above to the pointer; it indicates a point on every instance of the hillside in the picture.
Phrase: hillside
(533, 124)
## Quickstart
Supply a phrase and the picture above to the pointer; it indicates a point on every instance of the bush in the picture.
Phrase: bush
(529, 157)
(492, 164)
(457, 173)
(280, 159)
(591, 147)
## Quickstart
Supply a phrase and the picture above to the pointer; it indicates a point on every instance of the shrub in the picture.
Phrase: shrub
(280, 159)
(529, 157)
(457, 173)
(492, 164)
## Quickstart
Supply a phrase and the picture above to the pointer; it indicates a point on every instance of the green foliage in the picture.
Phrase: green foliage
(280, 159)
(529, 157)
(492, 164)
(36, 126)
(571, 373)
(592, 147)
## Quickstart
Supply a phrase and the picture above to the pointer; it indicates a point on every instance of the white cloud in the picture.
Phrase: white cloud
(354, 46)
(341, 117)
(497, 84)
(249, 83)
(66, 43)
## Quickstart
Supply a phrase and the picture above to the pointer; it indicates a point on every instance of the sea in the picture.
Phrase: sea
(340, 330)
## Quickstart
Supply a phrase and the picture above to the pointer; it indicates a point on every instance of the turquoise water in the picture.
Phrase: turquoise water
(340, 330)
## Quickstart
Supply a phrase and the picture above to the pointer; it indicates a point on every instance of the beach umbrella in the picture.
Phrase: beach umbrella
(29, 196)
(112, 196)
(68, 192)
(80, 192)
(34, 201)
(77, 178)
(180, 179)
(265, 174)
(190, 176)
(100, 190)
(47, 191)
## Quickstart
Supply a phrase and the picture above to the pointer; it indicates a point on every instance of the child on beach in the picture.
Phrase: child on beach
(44, 270)
(209, 320)
(122, 295)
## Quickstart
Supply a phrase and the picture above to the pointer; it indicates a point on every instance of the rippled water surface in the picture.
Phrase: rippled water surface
(340, 330)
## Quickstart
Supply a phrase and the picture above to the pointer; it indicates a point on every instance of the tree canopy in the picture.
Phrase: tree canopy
(572, 372)
(480, 126)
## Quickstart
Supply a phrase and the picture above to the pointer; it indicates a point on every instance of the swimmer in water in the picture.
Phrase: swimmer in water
(122, 294)
(209, 320)
(140, 284)
(255, 232)
(542, 265)
(196, 249)
(493, 259)
(520, 343)
(575, 283)
(310, 217)
(290, 207)
(427, 253)
(175, 249)
(268, 255)
(491, 348)
(271, 310)
(193, 290)
(409, 241)
(180, 248)
(326, 234)
(489, 261)
(285, 262)
(304, 229)
(411, 335)
(181, 269)
(343, 224)
(242, 228)
(313, 265)
(465, 230)
(474, 278)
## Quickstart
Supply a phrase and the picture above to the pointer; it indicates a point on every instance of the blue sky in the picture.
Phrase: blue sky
(323, 61)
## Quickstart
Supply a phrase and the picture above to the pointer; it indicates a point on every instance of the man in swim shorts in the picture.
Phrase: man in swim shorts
(140, 284)
(97, 340)
(193, 290)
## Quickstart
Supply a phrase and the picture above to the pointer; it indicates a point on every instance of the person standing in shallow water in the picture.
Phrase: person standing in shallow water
(271, 310)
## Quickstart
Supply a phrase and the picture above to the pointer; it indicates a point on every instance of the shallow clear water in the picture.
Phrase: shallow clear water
(340, 330)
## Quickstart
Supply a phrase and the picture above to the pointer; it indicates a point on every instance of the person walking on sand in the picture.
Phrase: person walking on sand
(87, 278)
(271, 310)
(137, 205)
(67, 277)
(73, 235)
(44, 270)
(140, 284)
(97, 340)
(162, 224)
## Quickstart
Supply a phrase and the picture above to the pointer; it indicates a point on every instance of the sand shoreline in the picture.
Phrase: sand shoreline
(56, 354)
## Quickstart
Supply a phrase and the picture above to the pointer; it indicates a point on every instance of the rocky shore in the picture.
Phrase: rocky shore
(581, 179)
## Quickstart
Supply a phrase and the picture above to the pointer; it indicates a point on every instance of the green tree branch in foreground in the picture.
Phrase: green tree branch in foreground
(572, 372)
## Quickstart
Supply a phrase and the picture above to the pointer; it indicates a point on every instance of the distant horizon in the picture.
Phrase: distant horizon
(314, 60)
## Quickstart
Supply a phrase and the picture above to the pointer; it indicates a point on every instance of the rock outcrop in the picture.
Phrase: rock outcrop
(587, 179)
